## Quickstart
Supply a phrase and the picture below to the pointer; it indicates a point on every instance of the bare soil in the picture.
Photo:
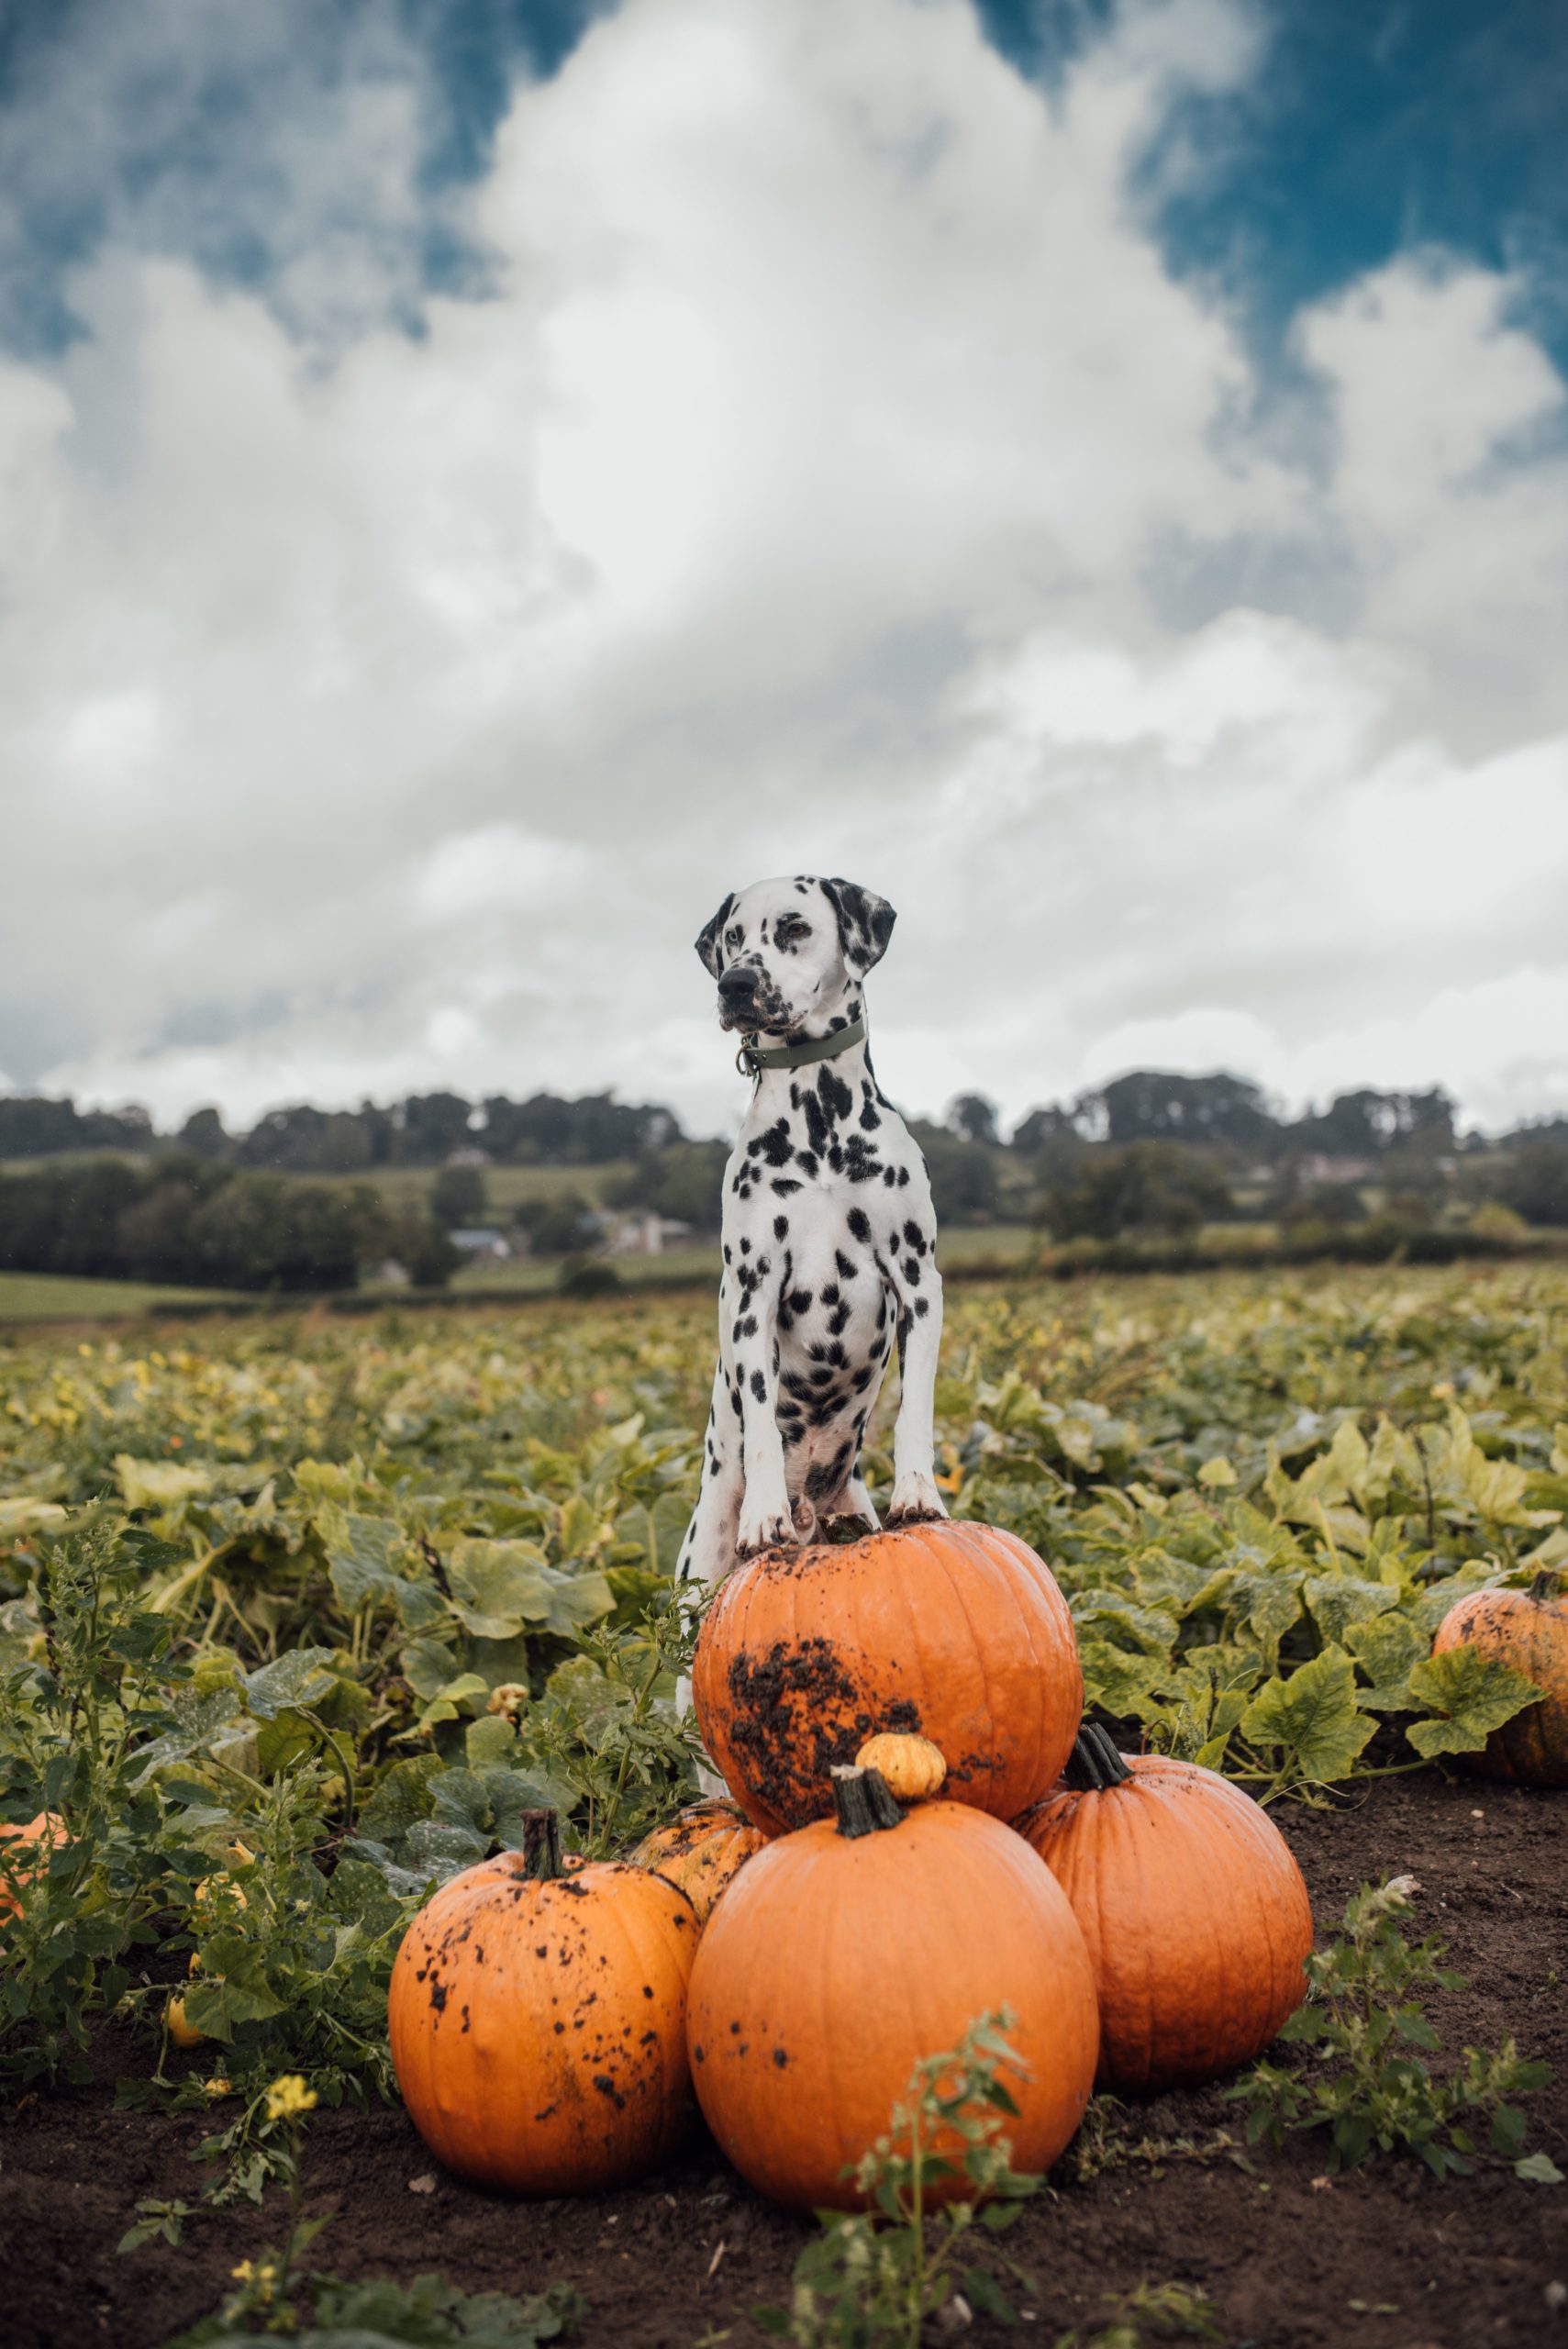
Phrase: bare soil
(1387, 2258)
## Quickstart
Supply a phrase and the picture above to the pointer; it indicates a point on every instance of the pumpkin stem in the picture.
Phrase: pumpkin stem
(1548, 1584)
(1094, 1763)
(541, 1846)
(864, 1800)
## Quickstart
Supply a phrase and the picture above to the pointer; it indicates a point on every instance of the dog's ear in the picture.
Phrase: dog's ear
(707, 940)
(865, 923)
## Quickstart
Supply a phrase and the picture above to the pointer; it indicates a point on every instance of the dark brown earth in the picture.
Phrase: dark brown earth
(1387, 2258)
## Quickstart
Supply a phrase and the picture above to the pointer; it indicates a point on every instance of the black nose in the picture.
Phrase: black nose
(736, 986)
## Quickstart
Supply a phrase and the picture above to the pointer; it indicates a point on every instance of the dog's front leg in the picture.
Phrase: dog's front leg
(914, 1495)
(766, 1521)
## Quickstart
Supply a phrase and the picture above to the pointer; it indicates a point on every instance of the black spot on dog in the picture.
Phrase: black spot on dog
(845, 1269)
(781, 1227)
(858, 1223)
(759, 1387)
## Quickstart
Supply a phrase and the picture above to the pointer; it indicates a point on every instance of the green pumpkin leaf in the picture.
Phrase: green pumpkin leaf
(1337, 1601)
(360, 1554)
(1311, 1720)
(499, 1586)
(1470, 1694)
(296, 1678)
(1385, 1647)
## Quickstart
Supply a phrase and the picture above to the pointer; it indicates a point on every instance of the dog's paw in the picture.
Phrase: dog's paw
(916, 1501)
(767, 1529)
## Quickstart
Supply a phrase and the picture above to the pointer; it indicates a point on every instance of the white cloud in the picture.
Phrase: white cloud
(396, 708)
(500, 865)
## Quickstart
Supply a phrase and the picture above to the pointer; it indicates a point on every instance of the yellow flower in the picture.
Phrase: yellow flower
(243, 2273)
(218, 2087)
(289, 2095)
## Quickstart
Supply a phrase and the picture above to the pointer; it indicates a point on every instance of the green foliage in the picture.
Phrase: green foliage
(73, 1726)
(362, 1596)
(684, 1182)
(1470, 1694)
(1149, 2312)
(1363, 2079)
(159, 2223)
(330, 2314)
(458, 1195)
(1157, 1186)
(871, 2279)
(1309, 1721)
(193, 1220)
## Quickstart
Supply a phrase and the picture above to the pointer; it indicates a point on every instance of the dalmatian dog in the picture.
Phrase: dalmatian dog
(830, 1241)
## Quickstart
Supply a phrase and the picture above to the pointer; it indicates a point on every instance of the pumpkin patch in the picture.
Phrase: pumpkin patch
(458, 1611)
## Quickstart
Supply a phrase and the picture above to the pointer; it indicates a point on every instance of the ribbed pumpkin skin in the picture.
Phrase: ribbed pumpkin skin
(1195, 1913)
(1529, 1634)
(955, 1631)
(832, 1967)
(701, 1852)
(536, 2028)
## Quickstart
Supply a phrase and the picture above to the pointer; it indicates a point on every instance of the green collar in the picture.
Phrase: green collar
(751, 1062)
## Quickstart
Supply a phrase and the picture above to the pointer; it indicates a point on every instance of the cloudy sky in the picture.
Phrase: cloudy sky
(479, 478)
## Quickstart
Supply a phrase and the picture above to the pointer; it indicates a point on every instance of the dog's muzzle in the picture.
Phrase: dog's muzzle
(737, 999)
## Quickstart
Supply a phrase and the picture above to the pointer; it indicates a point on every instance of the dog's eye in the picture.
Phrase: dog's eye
(732, 936)
(791, 929)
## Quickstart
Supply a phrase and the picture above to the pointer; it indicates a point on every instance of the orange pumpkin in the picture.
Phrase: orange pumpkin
(955, 1631)
(1195, 1916)
(701, 1852)
(537, 2019)
(22, 1863)
(1527, 1630)
(845, 1954)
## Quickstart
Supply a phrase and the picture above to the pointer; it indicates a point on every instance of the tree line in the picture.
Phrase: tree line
(193, 1223)
(425, 1129)
(1223, 1112)
(1151, 1153)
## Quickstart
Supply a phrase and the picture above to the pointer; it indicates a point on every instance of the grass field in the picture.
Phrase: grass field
(47, 1297)
(57, 1297)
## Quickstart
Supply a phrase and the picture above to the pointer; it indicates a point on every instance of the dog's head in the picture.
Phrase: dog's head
(783, 950)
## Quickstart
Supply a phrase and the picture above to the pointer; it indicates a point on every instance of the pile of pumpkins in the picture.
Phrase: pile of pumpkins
(922, 1832)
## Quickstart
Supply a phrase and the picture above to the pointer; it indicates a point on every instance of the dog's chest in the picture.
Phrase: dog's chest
(826, 1133)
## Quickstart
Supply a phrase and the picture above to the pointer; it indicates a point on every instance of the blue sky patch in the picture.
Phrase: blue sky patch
(1363, 132)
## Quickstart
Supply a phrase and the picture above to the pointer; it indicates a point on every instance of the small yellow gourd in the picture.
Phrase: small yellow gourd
(913, 1766)
(183, 2033)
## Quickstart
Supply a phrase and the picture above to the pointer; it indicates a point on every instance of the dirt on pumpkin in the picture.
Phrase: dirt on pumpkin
(1385, 2259)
